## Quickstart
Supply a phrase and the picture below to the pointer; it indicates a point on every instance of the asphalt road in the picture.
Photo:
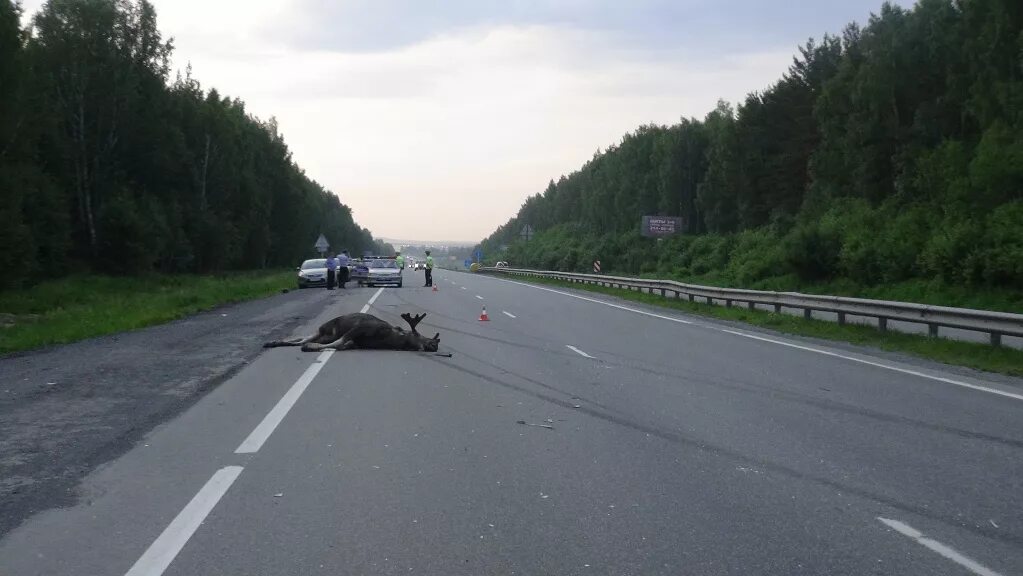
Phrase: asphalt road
(653, 443)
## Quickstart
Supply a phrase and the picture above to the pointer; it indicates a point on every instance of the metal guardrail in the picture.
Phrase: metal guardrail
(996, 324)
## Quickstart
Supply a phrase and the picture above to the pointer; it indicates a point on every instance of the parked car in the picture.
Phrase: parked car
(312, 273)
(382, 271)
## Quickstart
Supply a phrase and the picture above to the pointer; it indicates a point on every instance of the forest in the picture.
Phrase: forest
(890, 153)
(109, 166)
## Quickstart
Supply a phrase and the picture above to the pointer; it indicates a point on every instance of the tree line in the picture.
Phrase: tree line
(891, 152)
(108, 165)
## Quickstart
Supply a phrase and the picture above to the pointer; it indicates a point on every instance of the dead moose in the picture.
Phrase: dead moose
(364, 331)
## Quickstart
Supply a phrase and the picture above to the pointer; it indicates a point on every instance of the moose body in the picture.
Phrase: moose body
(364, 331)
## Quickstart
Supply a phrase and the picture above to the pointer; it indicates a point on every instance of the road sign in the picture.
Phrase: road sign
(468, 262)
(659, 226)
(479, 255)
(596, 266)
(321, 244)
(527, 232)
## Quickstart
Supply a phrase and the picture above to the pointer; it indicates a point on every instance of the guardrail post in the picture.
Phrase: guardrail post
(692, 297)
(777, 308)
(751, 305)
(807, 313)
(882, 324)
(728, 303)
(841, 318)
(932, 330)
(662, 292)
(996, 339)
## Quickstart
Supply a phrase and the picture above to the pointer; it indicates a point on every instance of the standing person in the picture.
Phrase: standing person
(429, 269)
(342, 262)
(331, 271)
(400, 261)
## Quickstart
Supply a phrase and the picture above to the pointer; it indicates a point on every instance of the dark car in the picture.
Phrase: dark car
(312, 273)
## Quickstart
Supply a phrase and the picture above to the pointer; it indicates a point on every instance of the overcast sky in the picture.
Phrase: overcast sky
(435, 120)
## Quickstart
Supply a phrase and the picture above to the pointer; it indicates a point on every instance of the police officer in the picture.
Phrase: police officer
(429, 269)
(331, 271)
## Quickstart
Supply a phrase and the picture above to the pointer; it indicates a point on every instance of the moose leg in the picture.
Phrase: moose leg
(292, 342)
(345, 342)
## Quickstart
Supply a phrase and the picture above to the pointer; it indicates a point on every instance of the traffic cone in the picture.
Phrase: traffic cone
(483, 315)
(434, 288)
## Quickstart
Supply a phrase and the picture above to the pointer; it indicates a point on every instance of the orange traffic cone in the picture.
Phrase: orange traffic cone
(483, 315)
(434, 288)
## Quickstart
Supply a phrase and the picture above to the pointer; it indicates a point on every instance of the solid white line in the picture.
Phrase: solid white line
(372, 299)
(1004, 393)
(478, 296)
(165, 548)
(508, 314)
(594, 300)
(880, 365)
(578, 351)
(935, 546)
(265, 428)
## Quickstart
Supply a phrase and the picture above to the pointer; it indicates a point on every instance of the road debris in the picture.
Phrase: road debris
(278, 495)
(993, 523)
(524, 423)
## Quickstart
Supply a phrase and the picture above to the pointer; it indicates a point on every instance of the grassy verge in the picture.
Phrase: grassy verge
(973, 355)
(80, 307)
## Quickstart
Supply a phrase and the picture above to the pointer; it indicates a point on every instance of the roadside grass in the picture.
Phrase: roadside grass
(933, 292)
(1001, 360)
(79, 307)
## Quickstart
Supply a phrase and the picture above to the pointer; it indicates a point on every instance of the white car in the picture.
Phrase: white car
(312, 273)
(382, 271)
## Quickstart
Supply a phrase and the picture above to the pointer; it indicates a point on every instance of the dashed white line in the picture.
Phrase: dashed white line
(938, 547)
(265, 428)
(1005, 393)
(595, 301)
(578, 351)
(479, 297)
(508, 314)
(372, 299)
(165, 548)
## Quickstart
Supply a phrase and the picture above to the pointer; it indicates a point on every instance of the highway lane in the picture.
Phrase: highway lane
(677, 448)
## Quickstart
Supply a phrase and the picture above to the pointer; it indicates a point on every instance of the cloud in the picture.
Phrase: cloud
(437, 120)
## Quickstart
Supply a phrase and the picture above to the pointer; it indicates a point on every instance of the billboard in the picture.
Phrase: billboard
(660, 226)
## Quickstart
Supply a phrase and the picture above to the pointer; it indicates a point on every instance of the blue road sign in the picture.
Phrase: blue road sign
(468, 262)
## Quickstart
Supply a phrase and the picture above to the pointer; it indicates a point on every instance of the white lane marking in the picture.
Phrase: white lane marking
(265, 428)
(479, 297)
(935, 546)
(594, 300)
(372, 299)
(165, 548)
(880, 365)
(789, 344)
(578, 351)
(508, 314)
